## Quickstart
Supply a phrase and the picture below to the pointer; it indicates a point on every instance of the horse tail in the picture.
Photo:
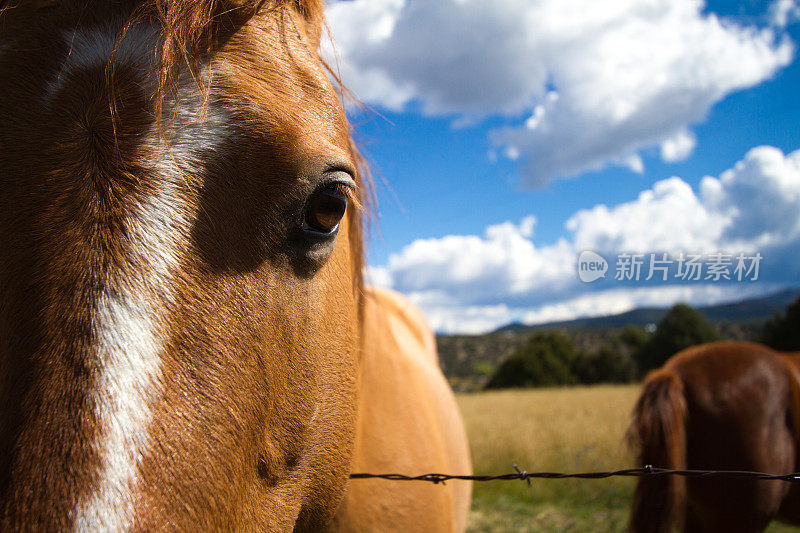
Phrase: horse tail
(658, 435)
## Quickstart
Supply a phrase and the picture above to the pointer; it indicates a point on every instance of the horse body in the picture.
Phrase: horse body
(180, 275)
(719, 406)
(408, 421)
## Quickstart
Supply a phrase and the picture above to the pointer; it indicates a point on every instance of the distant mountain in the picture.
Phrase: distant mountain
(753, 309)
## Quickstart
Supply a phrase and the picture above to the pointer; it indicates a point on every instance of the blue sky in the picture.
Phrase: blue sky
(485, 114)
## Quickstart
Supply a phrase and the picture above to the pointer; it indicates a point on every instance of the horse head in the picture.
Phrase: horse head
(179, 267)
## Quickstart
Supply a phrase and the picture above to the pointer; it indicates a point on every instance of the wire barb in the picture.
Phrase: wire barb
(647, 470)
(523, 475)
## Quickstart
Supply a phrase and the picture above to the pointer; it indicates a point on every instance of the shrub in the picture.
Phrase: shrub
(633, 338)
(611, 364)
(542, 361)
(783, 331)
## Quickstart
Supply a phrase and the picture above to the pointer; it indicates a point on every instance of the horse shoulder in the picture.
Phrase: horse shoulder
(408, 422)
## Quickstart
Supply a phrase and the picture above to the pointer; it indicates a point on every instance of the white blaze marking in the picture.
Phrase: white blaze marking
(130, 372)
(128, 336)
(125, 323)
(129, 344)
(127, 331)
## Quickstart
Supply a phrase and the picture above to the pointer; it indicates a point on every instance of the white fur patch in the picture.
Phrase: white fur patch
(93, 48)
(130, 348)
(193, 135)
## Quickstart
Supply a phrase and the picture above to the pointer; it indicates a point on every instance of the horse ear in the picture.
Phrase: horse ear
(310, 9)
(313, 11)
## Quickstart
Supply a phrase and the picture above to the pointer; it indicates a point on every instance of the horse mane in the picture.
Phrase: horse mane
(190, 30)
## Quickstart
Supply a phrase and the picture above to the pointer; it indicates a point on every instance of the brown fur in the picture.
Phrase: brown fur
(254, 414)
(718, 406)
(408, 422)
(658, 433)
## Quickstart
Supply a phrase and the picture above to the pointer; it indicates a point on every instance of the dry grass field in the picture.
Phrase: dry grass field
(561, 429)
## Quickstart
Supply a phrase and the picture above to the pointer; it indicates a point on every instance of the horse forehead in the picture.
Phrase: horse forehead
(266, 70)
(278, 77)
(94, 46)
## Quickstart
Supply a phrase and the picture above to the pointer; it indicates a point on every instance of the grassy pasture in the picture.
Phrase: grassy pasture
(567, 429)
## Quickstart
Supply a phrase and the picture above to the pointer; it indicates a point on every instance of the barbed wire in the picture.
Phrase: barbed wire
(645, 471)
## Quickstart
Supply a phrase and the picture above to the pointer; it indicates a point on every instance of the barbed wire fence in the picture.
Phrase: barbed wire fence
(646, 471)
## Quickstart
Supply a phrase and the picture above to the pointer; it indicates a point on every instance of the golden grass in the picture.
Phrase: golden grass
(571, 428)
(566, 429)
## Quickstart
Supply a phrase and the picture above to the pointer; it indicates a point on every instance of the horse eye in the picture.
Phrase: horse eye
(326, 208)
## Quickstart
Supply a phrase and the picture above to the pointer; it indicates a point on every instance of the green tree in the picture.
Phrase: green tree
(542, 361)
(610, 364)
(783, 331)
(680, 328)
(632, 338)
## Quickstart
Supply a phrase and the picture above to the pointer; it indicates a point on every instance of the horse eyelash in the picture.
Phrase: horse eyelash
(351, 194)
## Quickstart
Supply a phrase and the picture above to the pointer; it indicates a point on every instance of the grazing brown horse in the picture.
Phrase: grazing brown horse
(718, 406)
(180, 274)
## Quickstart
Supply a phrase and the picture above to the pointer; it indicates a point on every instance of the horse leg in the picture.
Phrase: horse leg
(736, 506)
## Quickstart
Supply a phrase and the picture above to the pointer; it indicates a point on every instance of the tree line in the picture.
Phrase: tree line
(550, 358)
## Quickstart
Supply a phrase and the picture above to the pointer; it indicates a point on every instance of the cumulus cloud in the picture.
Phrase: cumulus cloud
(378, 276)
(451, 318)
(501, 264)
(473, 283)
(585, 83)
(752, 206)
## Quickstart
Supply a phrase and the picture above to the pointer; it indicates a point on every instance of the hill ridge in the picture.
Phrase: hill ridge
(758, 308)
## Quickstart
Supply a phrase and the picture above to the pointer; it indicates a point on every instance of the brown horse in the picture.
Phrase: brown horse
(180, 273)
(718, 406)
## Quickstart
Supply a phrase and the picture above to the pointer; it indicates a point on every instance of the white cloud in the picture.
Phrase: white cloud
(502, 263)
(782, 12)
(471, 319)
(378, 276)
(752, 206)
(760, 197)
(451, 318)
(597, 81)
(634, 163)
(473, 283)
(679, 146)
(669, 217)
